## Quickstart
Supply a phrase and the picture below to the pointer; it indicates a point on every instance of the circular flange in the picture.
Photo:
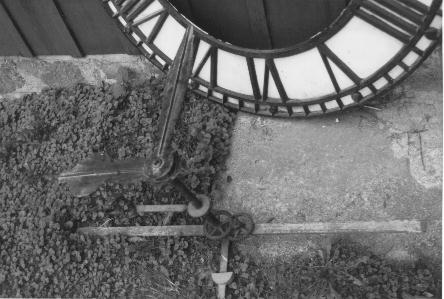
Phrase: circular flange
(371, 47)
(202, 210)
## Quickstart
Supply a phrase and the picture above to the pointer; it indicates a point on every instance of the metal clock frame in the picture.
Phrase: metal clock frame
(261, 104)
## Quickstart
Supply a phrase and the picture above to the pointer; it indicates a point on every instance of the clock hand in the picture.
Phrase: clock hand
(89, 174)
(174, 94)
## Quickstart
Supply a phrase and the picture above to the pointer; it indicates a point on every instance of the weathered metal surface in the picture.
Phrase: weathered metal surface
(89, 174)
(146, 231)
(52, 27)
(394, 226)
(174, 92)
(161, 208)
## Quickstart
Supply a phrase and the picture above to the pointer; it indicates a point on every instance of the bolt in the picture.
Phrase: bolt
(357, 97)
(432, 33)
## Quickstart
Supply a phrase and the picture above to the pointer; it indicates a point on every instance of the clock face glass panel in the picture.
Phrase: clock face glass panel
(287, 66)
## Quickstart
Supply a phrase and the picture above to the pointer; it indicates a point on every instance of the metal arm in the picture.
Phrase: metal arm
(163, 164)
(173, 96)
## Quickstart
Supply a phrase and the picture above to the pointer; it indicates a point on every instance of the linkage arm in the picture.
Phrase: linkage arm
(173, 96)
(164, 161)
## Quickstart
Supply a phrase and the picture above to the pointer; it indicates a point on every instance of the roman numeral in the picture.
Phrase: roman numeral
(399, 19)
(213, 72)
(131, 9)
(253, 78)
(277, 80)
(159, 23)
(118, 2)
(327, 55)
(202, 62)
(137, 9)
(270, 68)
(210, 55)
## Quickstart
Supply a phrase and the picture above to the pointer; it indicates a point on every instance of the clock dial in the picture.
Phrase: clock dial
(368, 48)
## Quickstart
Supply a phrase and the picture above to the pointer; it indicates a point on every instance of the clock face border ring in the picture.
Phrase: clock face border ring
(320, 37)
(413, 50)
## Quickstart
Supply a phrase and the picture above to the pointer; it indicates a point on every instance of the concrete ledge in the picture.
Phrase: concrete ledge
(20, 75)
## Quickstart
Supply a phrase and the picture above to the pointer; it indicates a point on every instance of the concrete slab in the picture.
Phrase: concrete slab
(20, 75)
(378, 162)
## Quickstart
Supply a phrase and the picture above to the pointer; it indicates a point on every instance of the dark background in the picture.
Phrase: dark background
(262, 24)
(83, 27)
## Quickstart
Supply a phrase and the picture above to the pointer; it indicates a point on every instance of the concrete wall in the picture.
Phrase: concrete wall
(19, 75)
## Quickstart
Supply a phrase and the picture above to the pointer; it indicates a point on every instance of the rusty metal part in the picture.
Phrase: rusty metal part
(242, 226)
(173, 96)
(223, 277)
(218, 224)
(172, 208)
(198, 205)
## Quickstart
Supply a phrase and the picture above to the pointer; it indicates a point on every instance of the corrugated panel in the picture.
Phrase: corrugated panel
(93, 28)
(42, 27)
(59, 27)
(83, 27)
(11, 40)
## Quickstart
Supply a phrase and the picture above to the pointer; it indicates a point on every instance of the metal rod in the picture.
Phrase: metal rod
(78, 52)
(212, 219)
(394, 226)
(187, 193)
(161, 208)
(23, 43)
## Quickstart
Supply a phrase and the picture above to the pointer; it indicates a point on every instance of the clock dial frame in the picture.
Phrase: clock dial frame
(371, 47)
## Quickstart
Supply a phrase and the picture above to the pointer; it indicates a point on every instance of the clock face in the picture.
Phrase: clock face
(334, 55)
